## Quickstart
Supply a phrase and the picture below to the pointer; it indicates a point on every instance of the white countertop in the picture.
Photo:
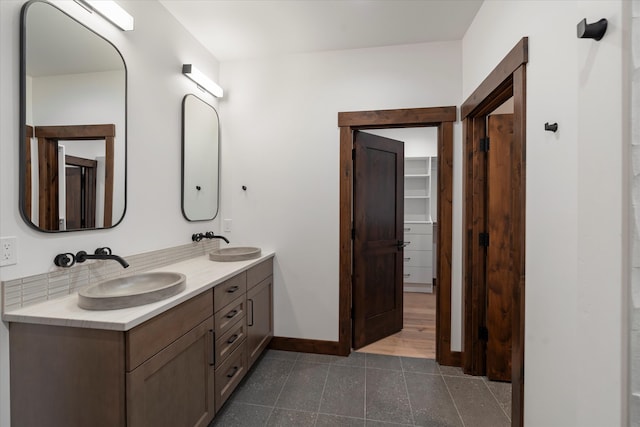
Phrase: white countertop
(202, 275)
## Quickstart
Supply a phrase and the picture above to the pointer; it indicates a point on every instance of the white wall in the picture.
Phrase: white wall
(154, 54)
(574, 372)
(280, 138)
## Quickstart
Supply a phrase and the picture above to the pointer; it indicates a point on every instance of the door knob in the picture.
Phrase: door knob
(402, 244)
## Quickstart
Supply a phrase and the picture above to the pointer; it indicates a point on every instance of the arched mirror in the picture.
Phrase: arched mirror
(73, 91)
(200, 159)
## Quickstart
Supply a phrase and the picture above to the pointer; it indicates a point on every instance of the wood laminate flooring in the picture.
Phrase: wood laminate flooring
(418, 337)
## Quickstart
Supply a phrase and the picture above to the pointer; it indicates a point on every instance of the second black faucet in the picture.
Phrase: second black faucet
(208, 235)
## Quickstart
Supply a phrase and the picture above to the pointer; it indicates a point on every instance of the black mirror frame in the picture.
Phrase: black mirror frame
(23, 118)
(184, 214)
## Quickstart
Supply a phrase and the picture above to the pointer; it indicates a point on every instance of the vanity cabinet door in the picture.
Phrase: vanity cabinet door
(175, 387)
(259, 318)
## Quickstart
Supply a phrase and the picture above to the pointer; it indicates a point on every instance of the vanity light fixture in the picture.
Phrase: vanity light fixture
(109, 10)
(201, 80)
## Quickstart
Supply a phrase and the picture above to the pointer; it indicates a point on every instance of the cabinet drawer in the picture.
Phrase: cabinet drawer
(229, 314)
(227, 343)
(229, 374)
(259, 272)
(417, 275)
(226, 292)
(418, 242)
(416, 259)
(418, 228)
(147, 339)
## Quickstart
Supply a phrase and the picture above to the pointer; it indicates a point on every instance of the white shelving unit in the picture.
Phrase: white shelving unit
(419, 213)
(417, 190)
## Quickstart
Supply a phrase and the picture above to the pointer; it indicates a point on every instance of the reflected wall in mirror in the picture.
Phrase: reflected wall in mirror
(73, 91)
(200, 159)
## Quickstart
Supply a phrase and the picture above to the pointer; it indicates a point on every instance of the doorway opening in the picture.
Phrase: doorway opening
(493, 244)
(418, 335)
(442, 119)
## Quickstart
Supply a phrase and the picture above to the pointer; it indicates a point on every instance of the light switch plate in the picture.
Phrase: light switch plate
(226, 225)
(8, 251)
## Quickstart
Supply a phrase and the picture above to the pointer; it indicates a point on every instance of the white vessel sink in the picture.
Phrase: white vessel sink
(131, 291)
(239, 253)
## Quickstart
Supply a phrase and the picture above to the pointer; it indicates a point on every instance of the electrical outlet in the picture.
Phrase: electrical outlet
(8, 251)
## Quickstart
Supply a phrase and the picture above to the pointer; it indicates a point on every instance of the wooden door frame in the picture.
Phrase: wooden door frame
(48, 138)
(507, 80)
(442, 118)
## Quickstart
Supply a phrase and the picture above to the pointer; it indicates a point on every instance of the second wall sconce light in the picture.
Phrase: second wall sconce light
(111, 11)
(202, 80)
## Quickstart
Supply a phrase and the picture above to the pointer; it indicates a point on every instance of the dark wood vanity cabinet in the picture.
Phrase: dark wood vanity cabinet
(176, 369)
(259, 318)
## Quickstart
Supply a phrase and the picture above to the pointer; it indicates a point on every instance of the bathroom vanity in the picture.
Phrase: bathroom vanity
(170, 363)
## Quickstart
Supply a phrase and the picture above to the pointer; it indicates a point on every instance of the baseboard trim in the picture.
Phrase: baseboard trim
(304, 345)
(451, 358)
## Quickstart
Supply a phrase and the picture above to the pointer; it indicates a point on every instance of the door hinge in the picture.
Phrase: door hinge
(484, 144)
(483, 239)
(353, 233)
(483, 333)
(352, 313)
(353, 154)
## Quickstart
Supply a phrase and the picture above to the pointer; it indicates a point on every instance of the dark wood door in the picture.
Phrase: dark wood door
(377, 250)
(80, 184)
(499, 277)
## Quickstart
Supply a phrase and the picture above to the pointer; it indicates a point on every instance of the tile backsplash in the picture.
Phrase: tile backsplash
(64, 281)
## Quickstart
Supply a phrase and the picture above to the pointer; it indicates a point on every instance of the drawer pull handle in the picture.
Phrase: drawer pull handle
(232, 289)
(231, 314)
(407, 275)
(212, 358)
(232, 339)
(407, 229)
(408, 259)
(251, 301)
(233, 372)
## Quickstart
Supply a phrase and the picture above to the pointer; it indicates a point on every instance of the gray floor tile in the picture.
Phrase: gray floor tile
(279, 354)
(431, 402)
(236, 414)
(453, 371)
(502, 392)
(325, 420)
(354, 359)
(318, 358)
(371, 423)
(344, 391)
(286, 418)
(386, 396)
(414, 364)
(475, 403)
(381, 361)
(303, 389)
(264, 382)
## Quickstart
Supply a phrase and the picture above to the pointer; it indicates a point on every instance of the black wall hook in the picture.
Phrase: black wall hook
(553, 127)
(592, 31)
(244, 187)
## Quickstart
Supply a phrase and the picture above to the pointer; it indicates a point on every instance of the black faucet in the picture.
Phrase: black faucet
(101, 253)
(208, 235)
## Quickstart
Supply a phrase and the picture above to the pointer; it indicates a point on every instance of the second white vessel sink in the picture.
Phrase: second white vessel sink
(131, 291)
(239, 253)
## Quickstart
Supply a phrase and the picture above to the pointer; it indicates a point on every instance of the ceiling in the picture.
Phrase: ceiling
(243, 29)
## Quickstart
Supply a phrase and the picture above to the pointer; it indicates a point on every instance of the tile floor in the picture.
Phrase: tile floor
(297, 390)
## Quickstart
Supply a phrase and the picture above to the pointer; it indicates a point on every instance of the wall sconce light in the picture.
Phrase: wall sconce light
(110, 11)
(201, 80)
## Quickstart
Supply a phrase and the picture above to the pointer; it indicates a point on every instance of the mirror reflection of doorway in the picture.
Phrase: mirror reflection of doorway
(418, 335)
(80, 182)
